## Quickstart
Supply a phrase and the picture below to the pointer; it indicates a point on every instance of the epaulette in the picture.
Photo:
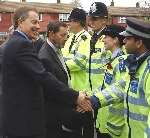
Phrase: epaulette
(101, 38)
(84, 37)
(134, 86)
(122, 65)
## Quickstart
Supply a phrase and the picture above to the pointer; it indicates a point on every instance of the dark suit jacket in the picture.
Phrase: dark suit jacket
(1, 55)
(52, 64)
(22, 89)
(58, 113)
(38, 44)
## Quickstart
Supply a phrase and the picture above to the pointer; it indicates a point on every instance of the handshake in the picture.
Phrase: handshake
(83, 103)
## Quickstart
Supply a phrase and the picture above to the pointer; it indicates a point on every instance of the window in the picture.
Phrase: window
(40, 17)
(147, 19)
(122, 20)
(63, 17)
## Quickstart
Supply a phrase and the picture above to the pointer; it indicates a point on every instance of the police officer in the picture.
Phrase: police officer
(113, 41)
(76, 50)
(76, 53)
(99, 57)
(133, 87)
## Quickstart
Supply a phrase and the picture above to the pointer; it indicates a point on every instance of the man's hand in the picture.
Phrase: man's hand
(83, 103)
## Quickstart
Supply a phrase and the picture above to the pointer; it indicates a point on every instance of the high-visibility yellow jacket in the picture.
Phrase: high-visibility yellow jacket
(136, 97)
(115, 125)
(98, 62)
(95, 72)
(76, 58)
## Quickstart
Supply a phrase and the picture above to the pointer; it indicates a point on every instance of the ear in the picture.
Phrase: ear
(19, 22)
(51, 34)
(116, 39)
(139, 43)
(105, 21)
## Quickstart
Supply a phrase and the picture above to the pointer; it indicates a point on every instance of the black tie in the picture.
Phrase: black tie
(93, 42)
(72, 42)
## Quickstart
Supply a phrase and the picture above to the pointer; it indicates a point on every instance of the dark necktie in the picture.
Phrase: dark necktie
(60, 56)
(72, 42)
(93, 42)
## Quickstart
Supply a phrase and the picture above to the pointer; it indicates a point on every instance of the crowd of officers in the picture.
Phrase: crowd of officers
(112, 66)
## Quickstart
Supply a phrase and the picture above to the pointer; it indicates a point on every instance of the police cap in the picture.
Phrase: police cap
(114, 31)
(77, 14)
(98, 9)
(137, 28)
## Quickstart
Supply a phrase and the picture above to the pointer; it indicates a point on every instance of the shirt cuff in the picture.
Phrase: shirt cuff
(95, 102)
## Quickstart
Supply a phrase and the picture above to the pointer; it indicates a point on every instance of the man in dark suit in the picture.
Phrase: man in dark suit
(52, 60)
(23, 79)
(59, 116)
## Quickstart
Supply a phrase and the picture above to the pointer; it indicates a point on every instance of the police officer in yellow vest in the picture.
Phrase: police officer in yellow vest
(76, 53)
(99, 57)
(98, 16)
(76, 50)
(113, 41)
(133, 86)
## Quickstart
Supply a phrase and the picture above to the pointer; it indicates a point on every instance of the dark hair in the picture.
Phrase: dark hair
(54, 26)
(83, 23)
(146, 43)
(114, 31)
(78, 15)
(21, 14)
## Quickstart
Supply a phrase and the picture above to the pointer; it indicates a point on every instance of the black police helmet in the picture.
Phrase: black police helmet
(77, 14)
(98, 9)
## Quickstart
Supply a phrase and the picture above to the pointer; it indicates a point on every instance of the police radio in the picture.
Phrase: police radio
(132, 65)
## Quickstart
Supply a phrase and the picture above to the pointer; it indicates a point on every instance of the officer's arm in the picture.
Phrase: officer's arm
(113, 93)
(110, 95)
(78, 61)
(147, 95)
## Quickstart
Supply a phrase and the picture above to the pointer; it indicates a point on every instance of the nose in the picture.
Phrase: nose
(124, 40)
(103, 40)
(66, 37)
(38, 26)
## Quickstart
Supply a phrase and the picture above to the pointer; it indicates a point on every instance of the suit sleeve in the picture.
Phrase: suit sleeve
(28, 61)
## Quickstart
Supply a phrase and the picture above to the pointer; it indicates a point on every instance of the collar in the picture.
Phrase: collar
(116, 52)
(100, 31)
(52, 46)
(77, 35)
(23, 34)
(140, 56)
